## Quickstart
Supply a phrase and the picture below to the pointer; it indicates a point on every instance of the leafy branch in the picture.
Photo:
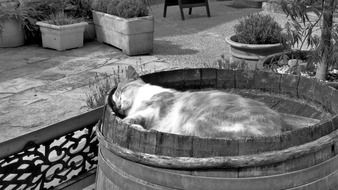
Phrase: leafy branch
(307, 17)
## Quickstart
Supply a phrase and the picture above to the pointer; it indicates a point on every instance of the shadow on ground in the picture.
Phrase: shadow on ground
(222, 12)
(165, 47)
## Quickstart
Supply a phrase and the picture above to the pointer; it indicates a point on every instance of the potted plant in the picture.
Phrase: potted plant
(124, 24)
(79, 9)
(62, 32)
(307, 17)
(14, 19)
(83, 9)
(256, 36)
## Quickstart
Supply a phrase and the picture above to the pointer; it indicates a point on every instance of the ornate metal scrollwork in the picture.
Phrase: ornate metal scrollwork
(49, 164)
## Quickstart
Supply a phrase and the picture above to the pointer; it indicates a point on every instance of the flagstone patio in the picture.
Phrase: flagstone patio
(39, 87)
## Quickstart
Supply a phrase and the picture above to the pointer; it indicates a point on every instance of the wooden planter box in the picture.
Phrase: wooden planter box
(62, 37)
(134, 36)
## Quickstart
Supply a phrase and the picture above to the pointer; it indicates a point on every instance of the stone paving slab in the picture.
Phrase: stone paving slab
(39, 87)
(18, 85)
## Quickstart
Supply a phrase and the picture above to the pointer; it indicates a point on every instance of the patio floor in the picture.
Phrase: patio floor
(40, 86)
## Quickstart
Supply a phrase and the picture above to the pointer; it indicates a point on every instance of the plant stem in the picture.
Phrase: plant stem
(326, 44)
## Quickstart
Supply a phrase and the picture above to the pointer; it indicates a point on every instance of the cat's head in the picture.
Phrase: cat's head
(126, 90)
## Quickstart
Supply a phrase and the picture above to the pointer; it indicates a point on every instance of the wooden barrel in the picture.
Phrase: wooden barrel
(304, 158)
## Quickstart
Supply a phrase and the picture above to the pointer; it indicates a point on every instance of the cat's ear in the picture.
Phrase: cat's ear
(131, 73)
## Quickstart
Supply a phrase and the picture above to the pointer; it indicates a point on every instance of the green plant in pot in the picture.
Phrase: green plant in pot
(62, 32)
(256, 36)
(15, 19)
(79, 9)
(310, 31)
(82, 9)
(125, 24)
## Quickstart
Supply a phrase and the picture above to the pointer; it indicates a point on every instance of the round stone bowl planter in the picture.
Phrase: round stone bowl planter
(303, 158)
(249, 55)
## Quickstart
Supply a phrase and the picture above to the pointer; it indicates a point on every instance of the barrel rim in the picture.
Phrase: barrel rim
(327, 139)
(112, 106)
(251, 160)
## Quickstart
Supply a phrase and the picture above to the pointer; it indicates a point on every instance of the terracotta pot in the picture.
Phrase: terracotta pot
(11, 33)
(62, 37)
(134, 36)
(251, 54)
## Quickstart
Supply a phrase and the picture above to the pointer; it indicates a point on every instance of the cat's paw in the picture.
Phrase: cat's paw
(153, 130)
(134, 123)
(138, 127)
(130, 120)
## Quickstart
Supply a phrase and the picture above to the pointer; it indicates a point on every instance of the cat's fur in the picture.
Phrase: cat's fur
(202, 113)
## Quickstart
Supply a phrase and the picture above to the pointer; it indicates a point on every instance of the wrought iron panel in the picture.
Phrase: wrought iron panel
(47, 165)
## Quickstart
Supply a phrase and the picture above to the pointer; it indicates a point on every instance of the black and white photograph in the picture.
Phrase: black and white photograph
(168, 94)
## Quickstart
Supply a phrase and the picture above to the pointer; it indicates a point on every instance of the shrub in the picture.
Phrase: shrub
(99, 89)
(60, 18)
(258, 29)
(79, 8)
(131, 9)
(124, 8)
(301, 30)
(112, 7)
(25, 14)
(101, 5)
(41, 10)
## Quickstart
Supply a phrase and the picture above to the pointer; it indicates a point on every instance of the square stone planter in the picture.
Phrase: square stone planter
(134, 36)
(62, 37)
(11, 33)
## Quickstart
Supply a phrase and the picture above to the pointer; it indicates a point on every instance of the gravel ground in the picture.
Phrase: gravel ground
(198, 39)
(42, 86)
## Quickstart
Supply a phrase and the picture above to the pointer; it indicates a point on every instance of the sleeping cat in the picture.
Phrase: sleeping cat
(202, 113)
